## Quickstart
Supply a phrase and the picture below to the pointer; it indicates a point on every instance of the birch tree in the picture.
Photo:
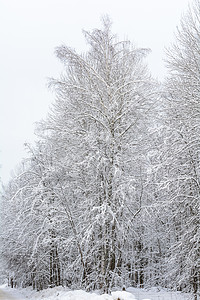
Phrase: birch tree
(31, 239)
(78, 205)
(183, 141)
(100, 119)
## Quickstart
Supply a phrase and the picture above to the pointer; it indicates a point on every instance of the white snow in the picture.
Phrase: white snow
(60, 293)
(122, 295)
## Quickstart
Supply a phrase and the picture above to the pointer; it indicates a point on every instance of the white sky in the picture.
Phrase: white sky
(29, 32)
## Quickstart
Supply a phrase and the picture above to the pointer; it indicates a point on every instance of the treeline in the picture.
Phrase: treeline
(110, 193)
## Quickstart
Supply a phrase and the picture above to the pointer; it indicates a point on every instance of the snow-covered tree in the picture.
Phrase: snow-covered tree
(82, 201)
(33, 218)
(100, 121)
(183, 154)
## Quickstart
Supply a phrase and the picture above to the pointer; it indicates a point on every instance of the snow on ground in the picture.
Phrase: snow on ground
(10, 294)
(60, 293)
(156, 293)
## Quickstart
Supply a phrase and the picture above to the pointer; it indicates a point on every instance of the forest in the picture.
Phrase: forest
(110, 192)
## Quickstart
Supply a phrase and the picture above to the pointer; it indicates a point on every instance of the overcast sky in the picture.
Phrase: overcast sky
(29, 32)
